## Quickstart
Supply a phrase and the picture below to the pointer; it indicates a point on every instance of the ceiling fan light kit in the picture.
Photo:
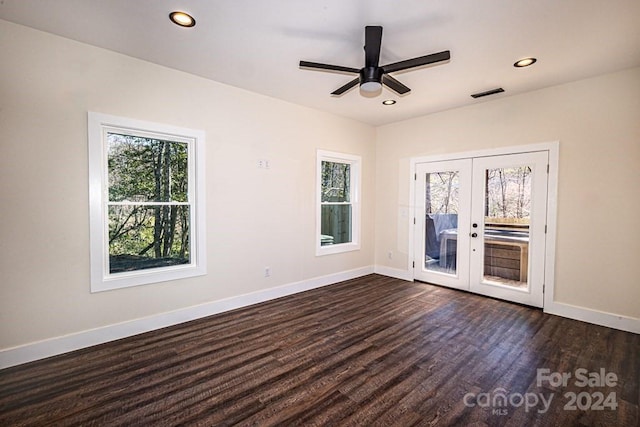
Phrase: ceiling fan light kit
(372, 76)
(370, 87)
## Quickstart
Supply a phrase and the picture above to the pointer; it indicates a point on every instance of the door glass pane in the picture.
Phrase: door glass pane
(441, 221)
(506, 226)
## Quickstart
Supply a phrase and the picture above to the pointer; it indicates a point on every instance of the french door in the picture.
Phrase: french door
(480, 225)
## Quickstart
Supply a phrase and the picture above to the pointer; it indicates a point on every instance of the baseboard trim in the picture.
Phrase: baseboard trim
(64, 344)
(396, 273)
(601, 318)
(610, 320)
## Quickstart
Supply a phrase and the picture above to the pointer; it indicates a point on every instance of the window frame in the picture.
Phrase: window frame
(355, 179)
(98, 126)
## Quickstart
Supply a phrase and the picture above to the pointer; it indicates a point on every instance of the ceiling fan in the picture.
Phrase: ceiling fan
(372, 76)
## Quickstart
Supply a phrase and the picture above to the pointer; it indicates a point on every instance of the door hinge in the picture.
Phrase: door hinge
(414, 221)
(414, 264)
(415, 176)
(547, 169)
(545, 229)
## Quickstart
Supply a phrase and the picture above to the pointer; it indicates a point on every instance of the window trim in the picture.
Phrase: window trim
(98, 126)
(355, 189)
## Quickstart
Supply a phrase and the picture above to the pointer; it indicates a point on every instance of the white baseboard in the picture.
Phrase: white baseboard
(394, 272)
(610, 320)
(63, 344)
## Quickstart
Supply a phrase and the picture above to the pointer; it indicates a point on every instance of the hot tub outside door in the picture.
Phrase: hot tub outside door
(481, 225)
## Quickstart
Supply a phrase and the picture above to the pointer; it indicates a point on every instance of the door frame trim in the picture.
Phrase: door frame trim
(553, 148)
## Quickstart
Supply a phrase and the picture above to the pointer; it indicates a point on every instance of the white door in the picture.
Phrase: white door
(443, 212)
(481, 225)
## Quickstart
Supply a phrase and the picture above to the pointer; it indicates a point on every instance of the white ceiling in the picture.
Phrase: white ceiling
(257, 44)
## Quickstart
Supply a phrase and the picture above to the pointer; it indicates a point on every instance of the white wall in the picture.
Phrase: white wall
(597, 122)
(255, 217)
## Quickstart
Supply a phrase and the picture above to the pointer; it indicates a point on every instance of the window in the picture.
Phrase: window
(146, 202)
(338, 212)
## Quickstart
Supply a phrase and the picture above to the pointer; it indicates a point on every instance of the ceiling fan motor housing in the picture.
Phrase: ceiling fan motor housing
(371, 75)
(371, 79)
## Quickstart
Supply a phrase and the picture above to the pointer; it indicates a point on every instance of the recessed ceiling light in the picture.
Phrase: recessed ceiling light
(524, 62)
(388, 102)
(183, 19)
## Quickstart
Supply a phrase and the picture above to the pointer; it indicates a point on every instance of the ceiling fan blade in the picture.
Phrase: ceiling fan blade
(417, 62)
(394, 85)
(329, 67)
(346, 87)
(372, 44)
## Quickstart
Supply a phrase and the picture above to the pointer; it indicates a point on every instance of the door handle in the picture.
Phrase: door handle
(474, 234)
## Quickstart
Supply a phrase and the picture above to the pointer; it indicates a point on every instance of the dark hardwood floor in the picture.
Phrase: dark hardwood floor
(366, 352)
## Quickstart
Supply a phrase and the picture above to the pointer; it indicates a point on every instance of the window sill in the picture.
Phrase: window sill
(142, 277)
(336, 249)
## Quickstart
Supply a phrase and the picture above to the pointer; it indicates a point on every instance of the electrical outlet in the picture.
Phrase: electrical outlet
(390, 255)
(263, 164)
(267, 272)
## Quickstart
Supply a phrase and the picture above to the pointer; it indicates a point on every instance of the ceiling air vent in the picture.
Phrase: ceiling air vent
(487, 93)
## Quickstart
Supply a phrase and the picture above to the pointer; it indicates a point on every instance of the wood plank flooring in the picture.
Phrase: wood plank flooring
(373, 351)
